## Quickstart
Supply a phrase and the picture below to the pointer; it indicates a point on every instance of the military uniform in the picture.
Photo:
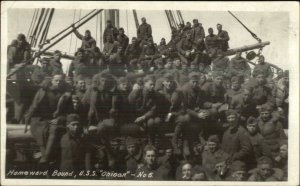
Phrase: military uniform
(123, 41)
(236, 143)
(211, 44)
(265, 68)
(198, 35)
(144, 32)
(239, 67)
(88, 43)
(221, 64)
(110, 31)
(223, 41)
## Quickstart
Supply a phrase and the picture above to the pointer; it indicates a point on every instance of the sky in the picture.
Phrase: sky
(269, 26)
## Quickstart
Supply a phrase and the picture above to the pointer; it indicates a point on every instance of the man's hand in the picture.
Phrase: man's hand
(277, 158)
(140, 119)
(53, 122)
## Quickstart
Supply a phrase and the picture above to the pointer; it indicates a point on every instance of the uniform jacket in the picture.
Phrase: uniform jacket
(236, 143)
(144, 31)
(223, 43)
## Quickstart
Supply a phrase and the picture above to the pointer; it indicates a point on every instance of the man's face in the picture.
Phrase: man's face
(239, 175)
(133, 41)
(79, 55)
(121, 32)
(188, 25)
(235, 86)
(20, 42)
(108, 24)
(162, 41)
(131, 149)
(149, 85)
(81, 85)
(232, 120)
(168, 65)
(120, 50)
(210, 31)
(218, 80)
(194, 83)
(74, 129)
(150, 157)
(251, 128)
(265, 115)
(57, 81)
(219, 27)
(246, 95)
(167, 84)
(187, 171)
(221, 168)
(169, 152)
(124, 86)
(212, 146)
(260, 79)
(143, 20)
(261, 60)
(265, 170)
(57, 56)
(87, 34)
(104, 84)
(284, 151)
(285, 81)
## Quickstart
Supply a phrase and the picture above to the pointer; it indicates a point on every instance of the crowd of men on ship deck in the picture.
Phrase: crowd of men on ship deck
(185, 110)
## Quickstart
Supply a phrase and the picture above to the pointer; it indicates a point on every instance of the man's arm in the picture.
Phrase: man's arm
(78, 35)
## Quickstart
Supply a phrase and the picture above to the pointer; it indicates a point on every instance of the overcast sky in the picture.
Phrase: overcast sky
(269, 26)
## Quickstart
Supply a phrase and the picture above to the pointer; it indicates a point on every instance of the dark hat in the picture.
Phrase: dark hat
(265, 107)
(21, 37)
(251, 121)
(168, 77)
(264, 160)
(71, 118)
(238, 166)
(194, 76)
(231, 112)
(131, 141)
(213, 138)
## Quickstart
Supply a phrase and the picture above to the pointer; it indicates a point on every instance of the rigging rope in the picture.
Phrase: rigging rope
(48, 26)
(252, 34)
(33, 26)
(101, 37)
(97, 28)
(76, 37)
(37, 26)
(30, 27)
(169, 21)
(127, 23)
(41, 27)
(72, 34)
(70, 26)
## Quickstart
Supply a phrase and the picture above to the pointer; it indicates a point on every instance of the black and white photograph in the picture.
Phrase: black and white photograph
(184, 93)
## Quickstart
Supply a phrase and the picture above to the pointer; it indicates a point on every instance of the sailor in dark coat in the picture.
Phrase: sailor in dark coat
(223, 38)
